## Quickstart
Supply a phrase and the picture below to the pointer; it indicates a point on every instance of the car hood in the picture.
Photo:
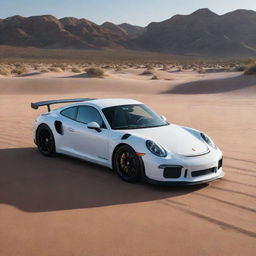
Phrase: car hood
(173, 138)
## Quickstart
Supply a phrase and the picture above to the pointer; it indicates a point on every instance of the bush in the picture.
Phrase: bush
(201, 70)
(36, 66)
(118, 68)
(165, 67)
(76, 70)
(148, 72)
(106, 67)
(4, 71)
(154, 77)
(55, 69)
(19, 70)
(149, 66)
(95, 72)
(44, 70)
(61, 66)
(251, 70)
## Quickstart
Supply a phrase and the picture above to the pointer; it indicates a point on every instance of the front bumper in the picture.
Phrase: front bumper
(181, 183)
(154, 172)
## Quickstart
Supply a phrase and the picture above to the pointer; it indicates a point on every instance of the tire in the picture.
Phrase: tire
(45, 140)
(127, 164)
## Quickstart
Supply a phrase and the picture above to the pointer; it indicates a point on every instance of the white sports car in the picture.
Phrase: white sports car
(130, 138)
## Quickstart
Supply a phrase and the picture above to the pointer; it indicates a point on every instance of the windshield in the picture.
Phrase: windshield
(132, 117)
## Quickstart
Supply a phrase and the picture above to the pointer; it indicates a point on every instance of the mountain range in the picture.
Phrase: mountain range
(202, 33)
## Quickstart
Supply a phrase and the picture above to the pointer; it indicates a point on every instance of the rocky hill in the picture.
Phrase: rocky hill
(202, 33)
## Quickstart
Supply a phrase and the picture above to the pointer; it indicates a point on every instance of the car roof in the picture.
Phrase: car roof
(105, 103)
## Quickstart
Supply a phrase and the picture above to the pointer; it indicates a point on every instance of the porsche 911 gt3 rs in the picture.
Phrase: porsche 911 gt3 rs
(130, 138)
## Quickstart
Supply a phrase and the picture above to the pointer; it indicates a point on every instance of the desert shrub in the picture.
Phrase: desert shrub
(4, 71)
(36, 66)
(118, 68)
(75, 70)
(61, 66)
(55, 69)
(154, 77)
(149, 66)
(44, 70)
(201, 70)
(148, 72)
(19, 70)
(165, 67)
(95, 72)
(250, 70)
(107, 66)
(18, 65)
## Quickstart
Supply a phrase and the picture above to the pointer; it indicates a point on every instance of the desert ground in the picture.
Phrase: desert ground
(64, 206)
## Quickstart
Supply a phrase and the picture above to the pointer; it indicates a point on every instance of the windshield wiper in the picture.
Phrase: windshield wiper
(137, 126)
(125, 127)
(151, 126)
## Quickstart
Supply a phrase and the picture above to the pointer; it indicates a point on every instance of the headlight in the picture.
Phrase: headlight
(208, 140)
(155, 149)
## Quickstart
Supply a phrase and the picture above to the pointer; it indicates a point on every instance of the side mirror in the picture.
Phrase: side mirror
(164, 118)
(94, 125)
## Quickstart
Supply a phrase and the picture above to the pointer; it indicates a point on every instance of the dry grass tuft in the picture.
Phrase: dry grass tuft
(4, 71)
(107, 66)
(165, 67)
(36, 66)
(44, 70)
(118, 68)
(76, 70)
(250, 70)
(149, 66)
(55, 69)
(19, 69)
(201, 70)
(148, 72)
(95, 72)
(155, 77)
(61, 66)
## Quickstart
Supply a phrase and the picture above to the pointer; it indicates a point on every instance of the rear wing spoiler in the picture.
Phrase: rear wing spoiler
(36, 105)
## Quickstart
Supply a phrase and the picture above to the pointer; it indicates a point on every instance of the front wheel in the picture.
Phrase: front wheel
(127, 164)
(45, 140)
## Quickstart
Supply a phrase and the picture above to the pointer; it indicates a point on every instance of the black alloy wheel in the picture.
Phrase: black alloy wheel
(127, 164)
(45, 141)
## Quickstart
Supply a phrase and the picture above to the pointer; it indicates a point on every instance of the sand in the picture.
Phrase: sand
(64, 206)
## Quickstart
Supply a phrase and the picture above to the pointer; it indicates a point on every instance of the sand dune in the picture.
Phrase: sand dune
(216, 85)
(66, 206)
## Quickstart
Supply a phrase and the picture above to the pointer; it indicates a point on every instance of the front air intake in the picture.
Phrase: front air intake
(172, 172)
(202, 172)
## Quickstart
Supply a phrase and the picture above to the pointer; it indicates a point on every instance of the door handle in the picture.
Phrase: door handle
(71, 129)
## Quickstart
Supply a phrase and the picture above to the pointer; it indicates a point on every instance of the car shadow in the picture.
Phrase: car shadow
(214, 85)
(34, 183)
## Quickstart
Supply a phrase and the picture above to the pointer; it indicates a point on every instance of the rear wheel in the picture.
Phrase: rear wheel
(45, 140)
(127, 164)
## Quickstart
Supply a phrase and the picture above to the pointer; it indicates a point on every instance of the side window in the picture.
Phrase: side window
(87, 114)
(69, 112)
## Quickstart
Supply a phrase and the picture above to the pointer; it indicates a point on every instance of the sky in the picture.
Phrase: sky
(137, 12)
